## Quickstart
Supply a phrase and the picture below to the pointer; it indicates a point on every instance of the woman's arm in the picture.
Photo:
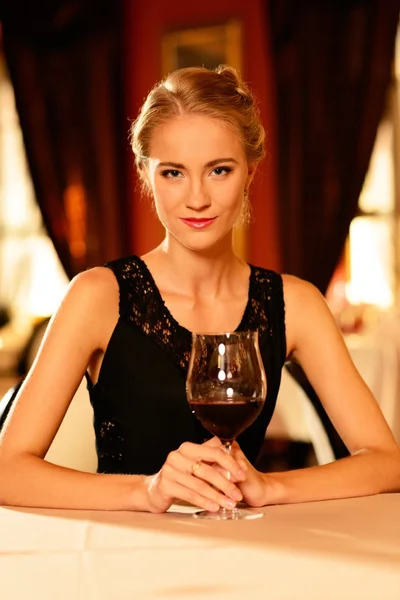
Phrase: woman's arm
(72, 337)
(374, 462)
(80, 329)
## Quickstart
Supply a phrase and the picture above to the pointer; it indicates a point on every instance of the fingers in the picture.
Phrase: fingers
(163, 489)
(194, 498)
(188, 475)
(211, 453)
(213, 442)
(218, 480)
(240, 457)
(196, 490)
(237, 454)
(199, 470)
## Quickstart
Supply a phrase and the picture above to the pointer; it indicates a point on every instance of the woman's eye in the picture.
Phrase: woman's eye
(171, 173)
(221, 170)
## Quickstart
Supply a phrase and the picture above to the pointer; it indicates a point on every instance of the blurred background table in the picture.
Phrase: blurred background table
(346, 549)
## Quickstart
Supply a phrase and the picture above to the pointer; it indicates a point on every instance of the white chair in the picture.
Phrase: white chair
(74, 444)
(296, 419)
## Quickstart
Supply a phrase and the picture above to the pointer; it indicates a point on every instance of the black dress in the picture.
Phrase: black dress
(139, 401)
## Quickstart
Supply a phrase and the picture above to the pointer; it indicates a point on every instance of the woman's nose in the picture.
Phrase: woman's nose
(198, 199)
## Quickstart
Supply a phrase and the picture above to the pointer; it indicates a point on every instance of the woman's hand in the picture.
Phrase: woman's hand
(188, 474)
(254, 486)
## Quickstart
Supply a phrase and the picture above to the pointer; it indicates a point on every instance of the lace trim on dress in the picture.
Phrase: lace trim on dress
(141, 304)
(110, 442)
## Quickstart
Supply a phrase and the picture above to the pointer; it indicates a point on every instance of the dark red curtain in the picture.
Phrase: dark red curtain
(64, 59)
(333, 63)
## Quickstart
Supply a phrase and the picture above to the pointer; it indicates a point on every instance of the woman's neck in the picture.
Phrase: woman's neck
(195, 272)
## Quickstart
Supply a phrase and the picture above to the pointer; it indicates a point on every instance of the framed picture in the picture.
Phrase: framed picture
(206, 47)
(203, 47)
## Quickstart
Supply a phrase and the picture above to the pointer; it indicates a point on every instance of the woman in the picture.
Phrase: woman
(197, 142)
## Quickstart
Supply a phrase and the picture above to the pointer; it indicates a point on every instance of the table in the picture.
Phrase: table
(347, 549)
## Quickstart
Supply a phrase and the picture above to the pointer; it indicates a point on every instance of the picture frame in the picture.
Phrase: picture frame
(207, 46)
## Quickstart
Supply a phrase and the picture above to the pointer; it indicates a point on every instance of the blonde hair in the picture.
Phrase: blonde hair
(218, 93)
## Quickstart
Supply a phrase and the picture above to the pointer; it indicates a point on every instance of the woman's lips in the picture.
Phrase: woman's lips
(198, 223)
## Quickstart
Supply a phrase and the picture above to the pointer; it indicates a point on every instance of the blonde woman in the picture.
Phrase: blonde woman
(197, 143)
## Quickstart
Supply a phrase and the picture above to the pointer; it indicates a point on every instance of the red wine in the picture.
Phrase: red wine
(227, 419)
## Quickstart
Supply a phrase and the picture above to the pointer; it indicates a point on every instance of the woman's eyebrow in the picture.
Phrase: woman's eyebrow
(171, 165)
(211, 163)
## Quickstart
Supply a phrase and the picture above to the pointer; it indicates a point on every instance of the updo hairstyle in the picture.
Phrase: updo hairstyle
(219, 93)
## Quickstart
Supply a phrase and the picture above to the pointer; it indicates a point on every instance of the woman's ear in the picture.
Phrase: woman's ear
(143, 173)
(251, 171)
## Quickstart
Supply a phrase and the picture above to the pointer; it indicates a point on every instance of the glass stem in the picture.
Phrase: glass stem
(228, 513)
(227, 446)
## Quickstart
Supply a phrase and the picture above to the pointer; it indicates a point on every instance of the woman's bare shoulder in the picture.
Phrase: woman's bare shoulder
(305, 309)
(297, 290)
(96, 277)
(97, 283)
(88, 311)
(92, 296)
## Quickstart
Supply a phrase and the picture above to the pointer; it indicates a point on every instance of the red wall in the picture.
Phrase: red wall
(145, 23)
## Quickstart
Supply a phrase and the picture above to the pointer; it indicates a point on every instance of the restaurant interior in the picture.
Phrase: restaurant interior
(325, 206)
(325, 203)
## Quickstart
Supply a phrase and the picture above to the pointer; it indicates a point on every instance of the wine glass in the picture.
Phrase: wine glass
(226, 388)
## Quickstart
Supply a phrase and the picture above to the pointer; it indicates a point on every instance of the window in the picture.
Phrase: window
(370, 269)
(32, 280)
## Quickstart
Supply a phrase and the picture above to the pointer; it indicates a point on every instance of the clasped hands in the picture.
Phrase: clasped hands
(206, 476)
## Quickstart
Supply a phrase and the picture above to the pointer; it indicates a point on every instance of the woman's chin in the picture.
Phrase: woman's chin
(204, 242)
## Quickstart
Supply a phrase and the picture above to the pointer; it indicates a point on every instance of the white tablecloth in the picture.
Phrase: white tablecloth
(342, 549)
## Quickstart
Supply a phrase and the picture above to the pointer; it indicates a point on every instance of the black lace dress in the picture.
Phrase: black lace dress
(139, 401)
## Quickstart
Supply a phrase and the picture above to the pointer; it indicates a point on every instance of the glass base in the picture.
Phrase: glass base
(237, 514)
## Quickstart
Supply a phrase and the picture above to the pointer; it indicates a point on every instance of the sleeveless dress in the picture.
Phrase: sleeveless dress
(139, 401)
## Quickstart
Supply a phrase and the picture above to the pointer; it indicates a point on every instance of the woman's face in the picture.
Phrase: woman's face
(197, 171)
